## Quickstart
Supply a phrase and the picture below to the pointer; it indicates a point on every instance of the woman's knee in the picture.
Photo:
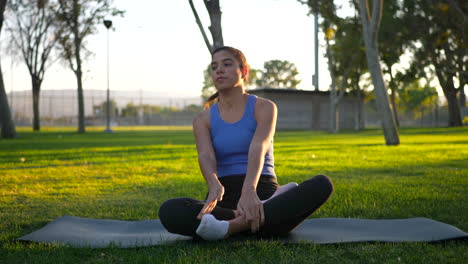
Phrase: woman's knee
(322, 183)
(325, 182)
(171, 210)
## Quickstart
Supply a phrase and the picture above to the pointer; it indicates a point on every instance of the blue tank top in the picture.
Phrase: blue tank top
(231, 142)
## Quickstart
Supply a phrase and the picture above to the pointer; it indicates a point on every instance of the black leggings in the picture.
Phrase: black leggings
(283, 212)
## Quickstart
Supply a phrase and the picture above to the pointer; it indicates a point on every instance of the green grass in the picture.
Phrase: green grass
(128, 174)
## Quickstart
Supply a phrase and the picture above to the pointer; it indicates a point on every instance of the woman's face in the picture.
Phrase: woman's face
(225, 71)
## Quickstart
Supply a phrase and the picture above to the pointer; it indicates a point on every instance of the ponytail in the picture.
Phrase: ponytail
(212, 98)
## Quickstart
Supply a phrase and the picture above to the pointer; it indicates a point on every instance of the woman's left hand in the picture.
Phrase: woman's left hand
(251, 208)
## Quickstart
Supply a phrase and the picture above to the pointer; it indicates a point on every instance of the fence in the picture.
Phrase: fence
(60, 109)
(430, 116)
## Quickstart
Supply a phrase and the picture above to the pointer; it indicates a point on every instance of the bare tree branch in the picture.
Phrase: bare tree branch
(365, 10)
(365, 15)
(30, 32)
(376, 17)
(200, 26)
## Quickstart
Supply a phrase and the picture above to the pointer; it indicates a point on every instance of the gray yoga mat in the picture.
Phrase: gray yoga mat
(96, 233)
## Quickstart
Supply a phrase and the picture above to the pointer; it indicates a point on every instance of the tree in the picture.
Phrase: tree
(336, 95)
(344, 52)
(100, 110)
(345, 63)
(78, 20)
(279, 74)
(254, 77)
(208, 88)
(6, 122)
(370, 20)
(439, 32)
(192, 108)
(393, 42)
(214, 10)
(415, 98)
(31, 32)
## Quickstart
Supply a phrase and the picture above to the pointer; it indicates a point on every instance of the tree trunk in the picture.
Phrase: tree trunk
(36, 88)
(381, 96)
(393, 96)
(81, 123)
(78, 71)
(462, 100)
(370, 32)
(453, 108)
(358, 121)
(462, 77)
(446, 82)
(334, 115)
(215, 17)
(6, 122)
(335, 96)
(394, 107)
(361, 119)
(422, 117)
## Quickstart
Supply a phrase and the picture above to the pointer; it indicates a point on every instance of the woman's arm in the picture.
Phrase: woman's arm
(249, 204)
(207, 161)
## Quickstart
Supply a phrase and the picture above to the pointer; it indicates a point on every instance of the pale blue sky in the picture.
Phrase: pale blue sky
(158, 47)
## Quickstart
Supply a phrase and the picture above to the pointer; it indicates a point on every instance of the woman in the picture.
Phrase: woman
(234, 140)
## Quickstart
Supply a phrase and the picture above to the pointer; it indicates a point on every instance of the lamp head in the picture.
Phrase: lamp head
(108, 23)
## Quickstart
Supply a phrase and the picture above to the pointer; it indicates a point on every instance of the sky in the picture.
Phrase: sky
(157, 46)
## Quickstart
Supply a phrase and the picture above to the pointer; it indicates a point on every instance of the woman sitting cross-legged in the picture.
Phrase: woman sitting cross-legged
(234, 139)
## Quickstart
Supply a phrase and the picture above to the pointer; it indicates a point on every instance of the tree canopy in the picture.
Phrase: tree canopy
(279, 74)
(438, 31)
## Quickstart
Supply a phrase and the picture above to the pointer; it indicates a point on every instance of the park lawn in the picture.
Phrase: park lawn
(127, 175)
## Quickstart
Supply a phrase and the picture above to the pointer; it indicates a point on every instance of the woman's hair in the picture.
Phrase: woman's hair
(240, 57)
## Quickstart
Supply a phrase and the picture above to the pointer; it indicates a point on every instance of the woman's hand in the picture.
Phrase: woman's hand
(215, 194)
(251, 208)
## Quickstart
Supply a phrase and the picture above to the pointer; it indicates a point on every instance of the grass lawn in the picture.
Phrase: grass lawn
(127, 175)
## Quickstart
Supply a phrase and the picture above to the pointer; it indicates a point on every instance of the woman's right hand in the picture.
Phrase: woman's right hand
(215, 195)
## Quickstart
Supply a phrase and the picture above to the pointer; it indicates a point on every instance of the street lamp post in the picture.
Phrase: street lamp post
(108, 24)
(315, 78)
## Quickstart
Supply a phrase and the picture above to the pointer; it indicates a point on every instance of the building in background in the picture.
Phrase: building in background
(301, 109)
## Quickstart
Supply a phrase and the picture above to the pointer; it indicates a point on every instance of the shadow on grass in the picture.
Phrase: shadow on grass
(302, 149)
(434, 131)
(73, 140)
(437, 142)
(132, 154)
(76, 164)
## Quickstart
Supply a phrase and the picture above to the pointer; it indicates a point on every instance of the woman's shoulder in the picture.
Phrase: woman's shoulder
(263, 104)
(202, 118)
